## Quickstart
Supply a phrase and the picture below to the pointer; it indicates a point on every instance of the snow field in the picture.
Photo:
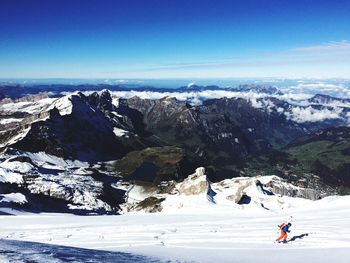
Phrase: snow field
(320, 230)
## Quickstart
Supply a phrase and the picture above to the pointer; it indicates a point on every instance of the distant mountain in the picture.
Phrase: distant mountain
(16, 91)
(221, 133)
(266, 89)
(326, 99)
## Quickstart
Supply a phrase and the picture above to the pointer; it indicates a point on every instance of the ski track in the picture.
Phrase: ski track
(223, 236)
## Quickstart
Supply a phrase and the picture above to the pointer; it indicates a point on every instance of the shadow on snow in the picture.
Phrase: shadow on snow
(32, 252)
(298, 237)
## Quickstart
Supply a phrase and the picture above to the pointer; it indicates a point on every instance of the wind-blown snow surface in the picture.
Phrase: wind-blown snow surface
(320, 233)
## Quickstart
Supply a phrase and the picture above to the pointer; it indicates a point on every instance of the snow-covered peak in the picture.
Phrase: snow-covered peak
(64, 105)
(191, 84)
(104, 92)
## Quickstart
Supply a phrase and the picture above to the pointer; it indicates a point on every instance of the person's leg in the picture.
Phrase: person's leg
(285, 236)
(281, 236)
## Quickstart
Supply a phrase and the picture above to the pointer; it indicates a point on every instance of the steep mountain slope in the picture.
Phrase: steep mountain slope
(322, 157)
(225, 133)
(84, 135)
(326, 154)
(80, 127)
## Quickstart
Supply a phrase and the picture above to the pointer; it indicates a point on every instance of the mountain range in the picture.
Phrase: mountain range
(71, 151)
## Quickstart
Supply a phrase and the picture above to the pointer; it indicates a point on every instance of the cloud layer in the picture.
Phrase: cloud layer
(300, 109)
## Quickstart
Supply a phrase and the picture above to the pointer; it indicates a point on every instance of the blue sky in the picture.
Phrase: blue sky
(174, 39)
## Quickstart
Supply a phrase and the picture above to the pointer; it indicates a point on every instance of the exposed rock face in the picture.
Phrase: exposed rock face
(101, 100)
(240, 192)
(198, 183)
(266, 192)
(279, 187)
(12, 136)
(149, 205)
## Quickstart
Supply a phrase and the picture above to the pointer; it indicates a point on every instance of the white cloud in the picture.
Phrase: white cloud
(263, 104)
(339, 90)
(309, 114)
(191, 96)
(319, 85)
(332, 46)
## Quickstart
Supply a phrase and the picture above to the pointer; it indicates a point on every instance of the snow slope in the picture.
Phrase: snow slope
(17, 137)
(13, 197)
(63, 104)
(320, 233)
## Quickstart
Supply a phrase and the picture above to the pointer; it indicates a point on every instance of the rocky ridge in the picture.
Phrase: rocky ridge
(266, 192)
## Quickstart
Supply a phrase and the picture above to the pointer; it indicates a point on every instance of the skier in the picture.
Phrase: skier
(284, 230)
